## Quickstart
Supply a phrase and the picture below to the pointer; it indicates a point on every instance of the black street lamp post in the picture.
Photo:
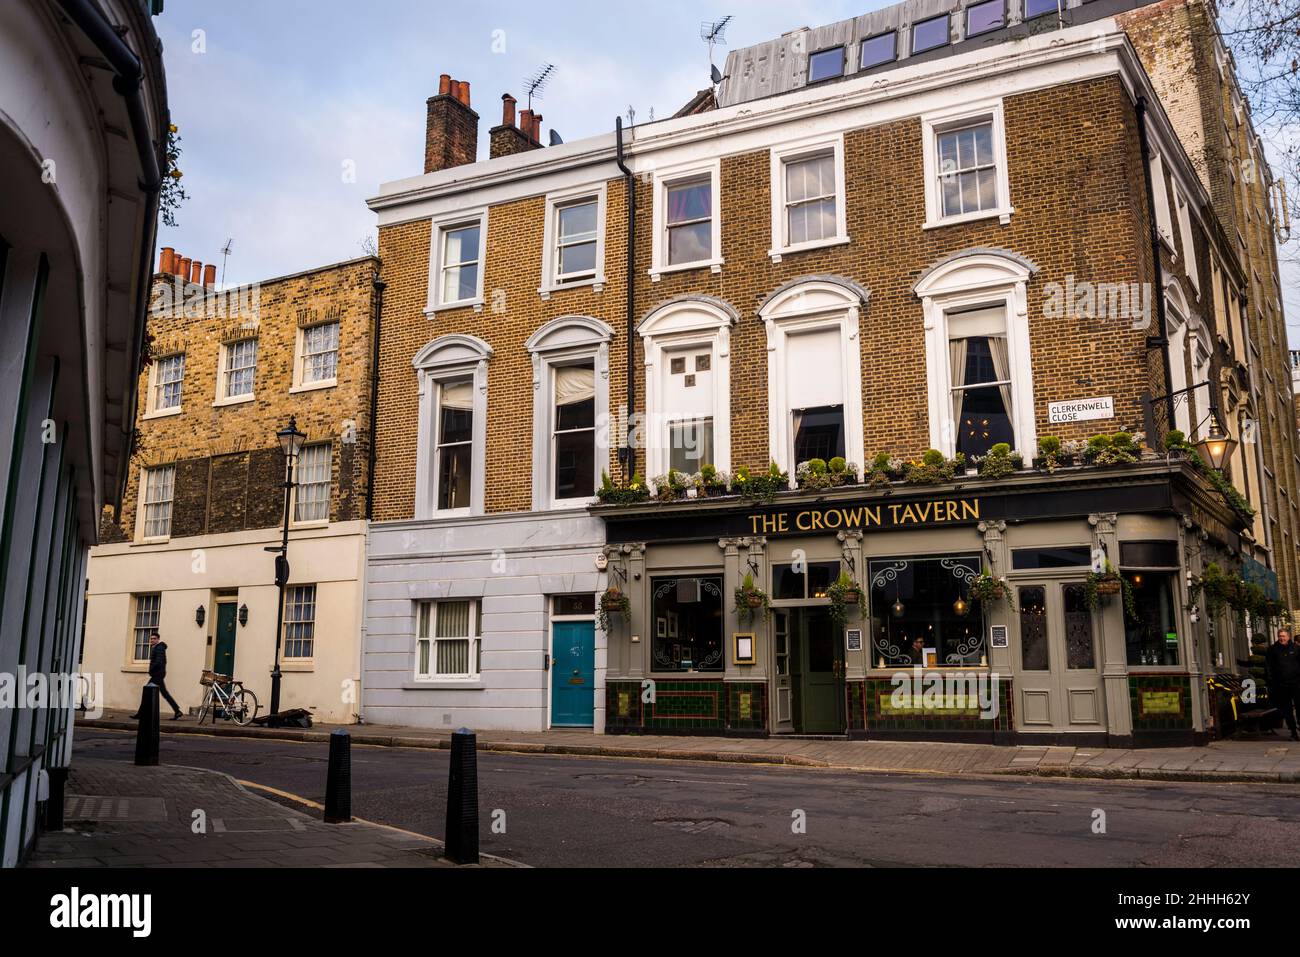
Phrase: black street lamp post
(291, 442)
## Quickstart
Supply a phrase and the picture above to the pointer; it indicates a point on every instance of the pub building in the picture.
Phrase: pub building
(1064, 672)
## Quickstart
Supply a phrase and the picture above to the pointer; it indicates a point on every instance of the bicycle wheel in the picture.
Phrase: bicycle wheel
(242, 707)
(206, 707)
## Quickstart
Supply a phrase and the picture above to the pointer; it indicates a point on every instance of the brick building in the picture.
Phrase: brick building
(204, 500)
(891, 246)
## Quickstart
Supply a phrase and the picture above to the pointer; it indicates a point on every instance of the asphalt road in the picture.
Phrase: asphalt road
(563, 811)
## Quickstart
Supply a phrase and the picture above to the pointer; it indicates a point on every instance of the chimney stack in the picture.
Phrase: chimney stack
(509, 139)
(451, 132)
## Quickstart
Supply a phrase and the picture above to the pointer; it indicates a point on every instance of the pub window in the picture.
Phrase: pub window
(1069, 556)
(687, 621)
(1034, 654)
(1148, 554)
(1080, 647)
(800, 582)
(923, 604)
(981, 380)
(1152, 639)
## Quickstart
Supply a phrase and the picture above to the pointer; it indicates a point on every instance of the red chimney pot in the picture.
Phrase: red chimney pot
(210, 276)
(444, 84)
(508, 109)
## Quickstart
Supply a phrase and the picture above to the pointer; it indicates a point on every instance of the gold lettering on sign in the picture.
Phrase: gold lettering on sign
(867, 516)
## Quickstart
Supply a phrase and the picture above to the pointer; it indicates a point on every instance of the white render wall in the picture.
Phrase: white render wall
(513, 563)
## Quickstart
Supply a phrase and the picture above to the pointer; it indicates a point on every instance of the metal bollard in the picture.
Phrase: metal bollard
(146, 732)
(338, 782)
(54, 805)
(462, 799)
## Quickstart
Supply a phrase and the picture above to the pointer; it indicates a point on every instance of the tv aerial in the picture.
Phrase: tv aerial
(714, 33)
(535, 84)
(226, 250)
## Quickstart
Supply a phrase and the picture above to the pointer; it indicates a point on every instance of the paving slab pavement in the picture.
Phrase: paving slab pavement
(1271, 759)
(208, 819)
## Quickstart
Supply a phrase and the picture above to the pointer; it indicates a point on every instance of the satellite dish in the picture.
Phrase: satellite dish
(556, 139)
(717, 76)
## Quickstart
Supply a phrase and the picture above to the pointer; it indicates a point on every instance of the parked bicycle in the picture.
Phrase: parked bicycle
(235, 702)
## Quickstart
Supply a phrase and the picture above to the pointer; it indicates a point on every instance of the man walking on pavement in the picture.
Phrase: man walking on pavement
(158, 673)
(1282, 671)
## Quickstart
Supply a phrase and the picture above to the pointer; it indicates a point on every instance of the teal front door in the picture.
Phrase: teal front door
(573, 674)
(223, 652)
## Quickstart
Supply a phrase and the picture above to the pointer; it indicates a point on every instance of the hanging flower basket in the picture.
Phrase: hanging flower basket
(1109, 586)
(750, 599)
(843, 593)
(613, 603)
(987, 589)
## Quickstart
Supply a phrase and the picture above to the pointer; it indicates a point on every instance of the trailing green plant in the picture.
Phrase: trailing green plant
(710, 482)
(820, 474)
(750, 599)
(761, 487)
(987, 589)
(634, 493)
(1000, 462)
(1214, 590)
(882, 472)
(672, 487)
(842, 593)
(934, 468)
(1107, 583)
(613, 602)
(1117, 449)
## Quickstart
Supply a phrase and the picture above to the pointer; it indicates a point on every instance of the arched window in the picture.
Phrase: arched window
(452, 440)
(571, 422)
(688, 385)
(814, 370)
(978, 369)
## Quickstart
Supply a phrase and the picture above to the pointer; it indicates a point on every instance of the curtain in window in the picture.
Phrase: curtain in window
(1002, 369)
(957, 352)
(458, 395)
(574, 384)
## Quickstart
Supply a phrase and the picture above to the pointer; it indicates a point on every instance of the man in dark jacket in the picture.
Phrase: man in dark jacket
(1282, 671)
(158, 673)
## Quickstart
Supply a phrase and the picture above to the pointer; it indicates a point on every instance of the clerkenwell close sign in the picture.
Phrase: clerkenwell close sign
(834, 518)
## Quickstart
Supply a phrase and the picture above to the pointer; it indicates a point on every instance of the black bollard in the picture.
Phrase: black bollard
(146, 732)
(462, 799)
(338, 782)
(54, 806)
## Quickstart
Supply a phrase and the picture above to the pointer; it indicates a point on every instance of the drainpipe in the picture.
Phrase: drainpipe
(379, 286)
(1160, 342)
(127, 82)
(627, 454)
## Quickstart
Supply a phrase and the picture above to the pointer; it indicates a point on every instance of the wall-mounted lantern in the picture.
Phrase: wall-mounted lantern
(200, 616)
(243, 615)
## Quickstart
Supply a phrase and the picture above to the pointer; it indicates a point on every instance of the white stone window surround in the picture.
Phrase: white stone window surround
(793, 152)
(441, 226)
(1185, 235)
(152, 411)
(804, 305)
(701, 322)
(672, 176)
(971, 279)
(1164, 218)
(959, 117)
(550, 249)
(568, 340)
(448, 359)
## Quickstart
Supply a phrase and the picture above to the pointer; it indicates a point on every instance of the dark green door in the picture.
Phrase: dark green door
(821, 699)
(223, 655)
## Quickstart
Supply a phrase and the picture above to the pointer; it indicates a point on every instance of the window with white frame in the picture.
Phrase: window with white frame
(1178, 342)
(312, 497)
(982, 389)
(815, 371)
(574, 242)
(168, 377)
(808, 208)
(978, 360)
(688, 230)
(300, 622)
(571, 422)
(456, 276)
(573, 432)
(158, 484)
(454, 446)
(451, 434)
(318, 359)
(688, 398)
(148, 609)
(238, 370)
(1160, 190)
(966, 165)
(448, 643)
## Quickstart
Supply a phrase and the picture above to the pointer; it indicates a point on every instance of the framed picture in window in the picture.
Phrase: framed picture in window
(672, 624)
(744, 650)
(661, 627)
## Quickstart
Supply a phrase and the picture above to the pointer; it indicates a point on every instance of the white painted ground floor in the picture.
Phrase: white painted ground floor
(213, 600)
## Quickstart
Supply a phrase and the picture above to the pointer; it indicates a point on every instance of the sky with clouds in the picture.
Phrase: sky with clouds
(292, 112)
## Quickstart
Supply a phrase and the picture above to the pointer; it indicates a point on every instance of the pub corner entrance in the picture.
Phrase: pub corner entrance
(809, 672)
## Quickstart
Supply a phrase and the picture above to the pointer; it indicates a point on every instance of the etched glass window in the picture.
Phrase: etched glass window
(1034, 655)
(687, 622)
(1080, 648)
(921, 607)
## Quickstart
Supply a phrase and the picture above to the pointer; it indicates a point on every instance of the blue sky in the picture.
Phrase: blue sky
(288, 91)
